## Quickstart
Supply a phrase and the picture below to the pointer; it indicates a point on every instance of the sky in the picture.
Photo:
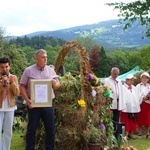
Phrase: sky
(20, 17)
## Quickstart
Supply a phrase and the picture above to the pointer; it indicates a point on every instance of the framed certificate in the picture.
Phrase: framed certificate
(41, 92)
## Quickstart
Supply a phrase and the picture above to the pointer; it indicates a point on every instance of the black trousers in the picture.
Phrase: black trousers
(34, 116)
(115, 119)
(119, 127)
(116, 115)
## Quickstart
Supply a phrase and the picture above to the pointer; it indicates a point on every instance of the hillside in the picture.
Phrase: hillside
(107, 33)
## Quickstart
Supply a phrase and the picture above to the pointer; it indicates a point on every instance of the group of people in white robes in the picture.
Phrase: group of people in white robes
(131, 104)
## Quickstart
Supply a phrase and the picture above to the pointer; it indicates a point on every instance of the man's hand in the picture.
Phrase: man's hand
(4, 80)
(29, 103)
(55, 84)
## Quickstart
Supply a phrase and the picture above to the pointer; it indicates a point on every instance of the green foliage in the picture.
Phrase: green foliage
(144, 53)
(18, 62)
(87, 42)
(37, 42)
(106, 119)
(119, 59)
(94, 134)
(51, 53)
(29, 54)
(129, 59)
(16, 56)
(117, 142)
(133, 11)
(69, 83)
(99, 61)
(131, 56)
(71, 62)
(21, 57)
(103, 65)
(125, 60)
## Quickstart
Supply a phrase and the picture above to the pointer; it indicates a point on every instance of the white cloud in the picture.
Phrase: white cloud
(21, 17)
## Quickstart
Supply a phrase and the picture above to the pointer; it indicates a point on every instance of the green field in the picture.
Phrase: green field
(139, 144)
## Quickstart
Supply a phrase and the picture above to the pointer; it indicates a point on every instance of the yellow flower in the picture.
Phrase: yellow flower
(96, 79)
(81, 102)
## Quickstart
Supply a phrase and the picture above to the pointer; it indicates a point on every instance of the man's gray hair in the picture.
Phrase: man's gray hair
(40, 51)
(114, 69)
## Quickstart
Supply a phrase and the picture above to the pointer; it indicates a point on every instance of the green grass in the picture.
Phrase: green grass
(140, 144)
(17, 142)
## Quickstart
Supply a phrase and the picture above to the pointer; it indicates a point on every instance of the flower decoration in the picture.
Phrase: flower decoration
(90, 77)
(93, 93)
(94, 134)
(93, 79)
(102, 127)
(81, 103)
(107, 93)
(107, 90)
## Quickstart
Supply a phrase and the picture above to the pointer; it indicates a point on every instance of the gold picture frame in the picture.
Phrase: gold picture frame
(41, 92)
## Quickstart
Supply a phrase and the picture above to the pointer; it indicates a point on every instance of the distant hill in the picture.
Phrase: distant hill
(107, 33)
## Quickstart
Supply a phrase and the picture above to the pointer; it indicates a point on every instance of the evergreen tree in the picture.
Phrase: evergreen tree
(103, 64)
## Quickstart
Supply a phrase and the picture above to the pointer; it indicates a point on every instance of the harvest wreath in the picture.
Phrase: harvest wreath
(81, 100)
